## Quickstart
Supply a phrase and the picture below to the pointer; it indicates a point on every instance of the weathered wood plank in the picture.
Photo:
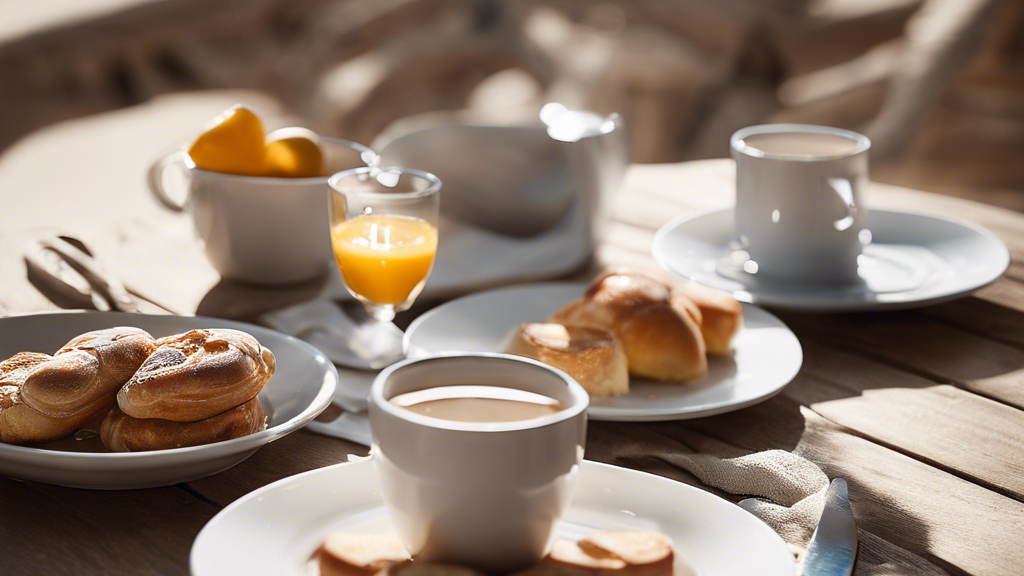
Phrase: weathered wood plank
(941, 517)
(895, 497)
(65, 531)
(638, 446)
(924, 346)
(958, 431)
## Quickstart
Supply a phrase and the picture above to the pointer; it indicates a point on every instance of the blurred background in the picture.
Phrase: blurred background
(937, 84)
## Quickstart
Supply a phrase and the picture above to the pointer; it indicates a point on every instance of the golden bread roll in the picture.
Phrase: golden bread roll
(197, 375)
(618, 553)
(420, 568)
(551, 570)
(566, 554)
(20, 424)
(83, 377)
(721, 315)
(660, 336)
(122, 433)
(592, 356)
(357, 554)
(648, 552)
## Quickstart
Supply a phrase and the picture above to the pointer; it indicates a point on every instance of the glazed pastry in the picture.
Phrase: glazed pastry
(592, 356)
(197, 375)
(122, 433)
(20, 424)
(83, 377)
(660, 336)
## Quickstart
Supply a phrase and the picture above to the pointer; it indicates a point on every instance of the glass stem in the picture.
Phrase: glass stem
(381, 313)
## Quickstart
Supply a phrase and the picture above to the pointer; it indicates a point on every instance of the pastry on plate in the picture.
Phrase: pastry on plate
(632, 553)
(721, 315)
(196, 375)
(659, 334)
(594, 357)
(122, 433)
(358, 554)
(20, 424)
(46, 397)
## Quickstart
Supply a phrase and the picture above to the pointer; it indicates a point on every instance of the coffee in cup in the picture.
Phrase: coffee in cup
(482, 477)
(800, 193)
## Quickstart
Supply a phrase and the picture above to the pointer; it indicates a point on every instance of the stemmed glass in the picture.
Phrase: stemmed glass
(384, 235)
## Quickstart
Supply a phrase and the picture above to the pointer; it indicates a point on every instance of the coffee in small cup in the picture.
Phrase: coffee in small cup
(801, 144)
(472, 476)
(478, 404)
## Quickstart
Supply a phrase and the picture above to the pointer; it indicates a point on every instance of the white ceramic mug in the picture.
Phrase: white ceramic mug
(254, 228)
(486, 495)
(800, 214)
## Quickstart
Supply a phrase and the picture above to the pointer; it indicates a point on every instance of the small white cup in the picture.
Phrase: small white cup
(255, 228)
(800, 216)
(487, 495)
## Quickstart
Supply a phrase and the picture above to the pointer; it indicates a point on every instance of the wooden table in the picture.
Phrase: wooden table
(919, 410)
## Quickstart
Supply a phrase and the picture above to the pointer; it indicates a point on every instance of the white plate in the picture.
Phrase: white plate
(766, 354)
(274, 530)
(302, 386)
(913, 260)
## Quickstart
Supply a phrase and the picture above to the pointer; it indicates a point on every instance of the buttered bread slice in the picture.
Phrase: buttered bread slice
(592, 356)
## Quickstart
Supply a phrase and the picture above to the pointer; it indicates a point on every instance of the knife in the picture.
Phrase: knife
(833, 547)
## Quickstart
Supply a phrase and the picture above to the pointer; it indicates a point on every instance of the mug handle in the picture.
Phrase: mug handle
(844, 189)
(156, 180)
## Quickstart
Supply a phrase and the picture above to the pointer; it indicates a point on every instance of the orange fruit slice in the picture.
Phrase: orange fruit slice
(293, 153)
(231, 144)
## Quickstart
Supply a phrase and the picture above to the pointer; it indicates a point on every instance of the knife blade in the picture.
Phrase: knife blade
(833, 547)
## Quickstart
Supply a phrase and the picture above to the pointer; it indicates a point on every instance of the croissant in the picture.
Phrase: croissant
(659, 333)
(197, 375)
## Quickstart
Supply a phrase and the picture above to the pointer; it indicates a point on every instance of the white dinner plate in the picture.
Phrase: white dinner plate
(913, 260)
(303, 385)
(273, 531)
(766, 354)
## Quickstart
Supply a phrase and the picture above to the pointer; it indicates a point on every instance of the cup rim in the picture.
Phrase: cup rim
(582, 399)
(364, 153)
(433, 188)
(737, 144)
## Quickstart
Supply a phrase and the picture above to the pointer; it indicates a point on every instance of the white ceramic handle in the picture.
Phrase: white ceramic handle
(156, 180)
(844, 189)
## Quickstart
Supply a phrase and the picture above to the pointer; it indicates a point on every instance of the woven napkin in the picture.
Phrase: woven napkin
(793, 488)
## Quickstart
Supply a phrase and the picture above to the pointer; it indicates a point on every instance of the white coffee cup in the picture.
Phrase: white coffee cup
(800, 193)
(486, 495)
(255, 228)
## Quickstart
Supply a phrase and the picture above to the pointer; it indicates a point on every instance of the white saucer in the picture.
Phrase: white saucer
(274, 530)
(766, 354)
(913, 260)
(302, 386)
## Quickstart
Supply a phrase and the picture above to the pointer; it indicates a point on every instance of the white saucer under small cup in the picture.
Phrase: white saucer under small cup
(912, 260)
(274, 530)
(766, 354)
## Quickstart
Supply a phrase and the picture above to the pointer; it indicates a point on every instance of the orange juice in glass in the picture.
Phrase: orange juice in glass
(384, 234)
